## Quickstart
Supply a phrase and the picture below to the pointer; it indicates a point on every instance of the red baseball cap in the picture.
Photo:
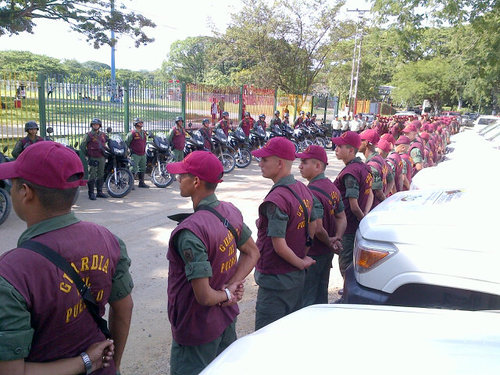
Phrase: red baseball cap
(370, 135)
(425, 135)
(313, 152)
(384, 145)
(278, 146)
(348, 138)
(202, 164)
(388, 137)
(49, 164)
(410, 128)
(403, 140)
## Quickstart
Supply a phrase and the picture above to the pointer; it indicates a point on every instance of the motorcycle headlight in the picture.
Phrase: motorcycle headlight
(118, 151)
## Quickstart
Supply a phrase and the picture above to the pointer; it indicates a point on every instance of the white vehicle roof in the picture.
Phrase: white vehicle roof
(451, 219)
(358, 339)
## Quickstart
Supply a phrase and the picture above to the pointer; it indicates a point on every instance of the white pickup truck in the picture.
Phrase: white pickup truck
(436, 248)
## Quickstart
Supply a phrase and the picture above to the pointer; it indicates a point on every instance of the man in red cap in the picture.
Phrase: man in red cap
(402, 146)
(383, 179)
(329, 230)
(386, 150)
(285, 226)
(44, 323)
(383, 149)
(205, 277)
(416, 149)
(355, 185)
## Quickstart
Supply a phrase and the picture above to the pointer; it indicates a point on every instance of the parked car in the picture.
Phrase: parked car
(331, 339)
(482, 121)
(429, 248)
(405, 113)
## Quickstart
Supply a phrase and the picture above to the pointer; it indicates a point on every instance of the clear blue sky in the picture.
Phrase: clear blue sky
(175, 20)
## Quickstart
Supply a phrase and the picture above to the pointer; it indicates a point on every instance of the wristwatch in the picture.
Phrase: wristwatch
(87, 363)
(228, 294)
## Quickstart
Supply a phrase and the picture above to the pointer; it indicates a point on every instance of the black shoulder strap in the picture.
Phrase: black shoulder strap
(304, 208)
(224, 221)
(312, 187)
(83, 289)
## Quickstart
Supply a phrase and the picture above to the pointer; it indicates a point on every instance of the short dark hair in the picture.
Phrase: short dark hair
(210, 186)
(52, 199)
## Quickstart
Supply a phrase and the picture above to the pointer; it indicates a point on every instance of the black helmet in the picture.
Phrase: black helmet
(262, 115)
(277, 113)
(205, 121)
(247, 114)
(137, 120)
(225, 113)
(308, 114)
(96, 121)
(301, 112)
(178, 118)
(30, 125)
(286, 114)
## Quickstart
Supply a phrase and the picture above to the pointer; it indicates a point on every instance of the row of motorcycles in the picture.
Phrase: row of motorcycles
(233, 151)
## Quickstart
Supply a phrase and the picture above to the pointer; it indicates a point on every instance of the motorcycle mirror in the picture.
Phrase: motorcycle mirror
(5, 149)
(108, 129)
(50, 130)
(190, 125)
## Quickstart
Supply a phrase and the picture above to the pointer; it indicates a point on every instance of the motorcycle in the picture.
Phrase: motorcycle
(119, 179)
(221, 149)
(195, 142)
(242, 155)
(318, 135)
(301, 138)
(5, 185)
(257, 139)
(158, 156)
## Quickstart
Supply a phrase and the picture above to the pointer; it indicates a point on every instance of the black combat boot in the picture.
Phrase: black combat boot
(90, 185)
(99, 184)
(141, 181)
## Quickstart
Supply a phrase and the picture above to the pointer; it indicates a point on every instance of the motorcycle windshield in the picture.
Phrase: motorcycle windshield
(197, 138)
(220, 135)
(239, 134)
(160, 140)
(261, 132)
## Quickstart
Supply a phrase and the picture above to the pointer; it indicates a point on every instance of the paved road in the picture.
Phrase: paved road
(140, 219)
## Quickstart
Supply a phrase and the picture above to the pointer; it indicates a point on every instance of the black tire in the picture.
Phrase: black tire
(296, 146)
(319, 142)
(228, 162)
(328, 143)
(160, 177)
(122, 185)
(5, 205)
(243, 158)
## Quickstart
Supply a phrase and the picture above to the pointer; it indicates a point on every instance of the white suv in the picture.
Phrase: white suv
(429, 248)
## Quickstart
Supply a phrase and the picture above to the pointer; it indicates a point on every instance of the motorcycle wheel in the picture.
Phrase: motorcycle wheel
(328, 142)
(122, 185)
(305, 144)
(296, 146)
(5, 205)
(319, 142)
(228, 162)
(243, 158)
(160, 177)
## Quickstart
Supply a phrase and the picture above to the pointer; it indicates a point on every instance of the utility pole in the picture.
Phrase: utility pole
(356, 60)
(113, 70)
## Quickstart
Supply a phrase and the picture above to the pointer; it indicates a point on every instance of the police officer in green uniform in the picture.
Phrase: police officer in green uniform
(177, 138)
(205, 275)
(44, 325)
(31, 127)
(93, 146)
(136, 141)
(284, 233)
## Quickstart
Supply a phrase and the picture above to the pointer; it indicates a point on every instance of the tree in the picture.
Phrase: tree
(188, 59)
(24, 61)
(283, 44)
(93, 18)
